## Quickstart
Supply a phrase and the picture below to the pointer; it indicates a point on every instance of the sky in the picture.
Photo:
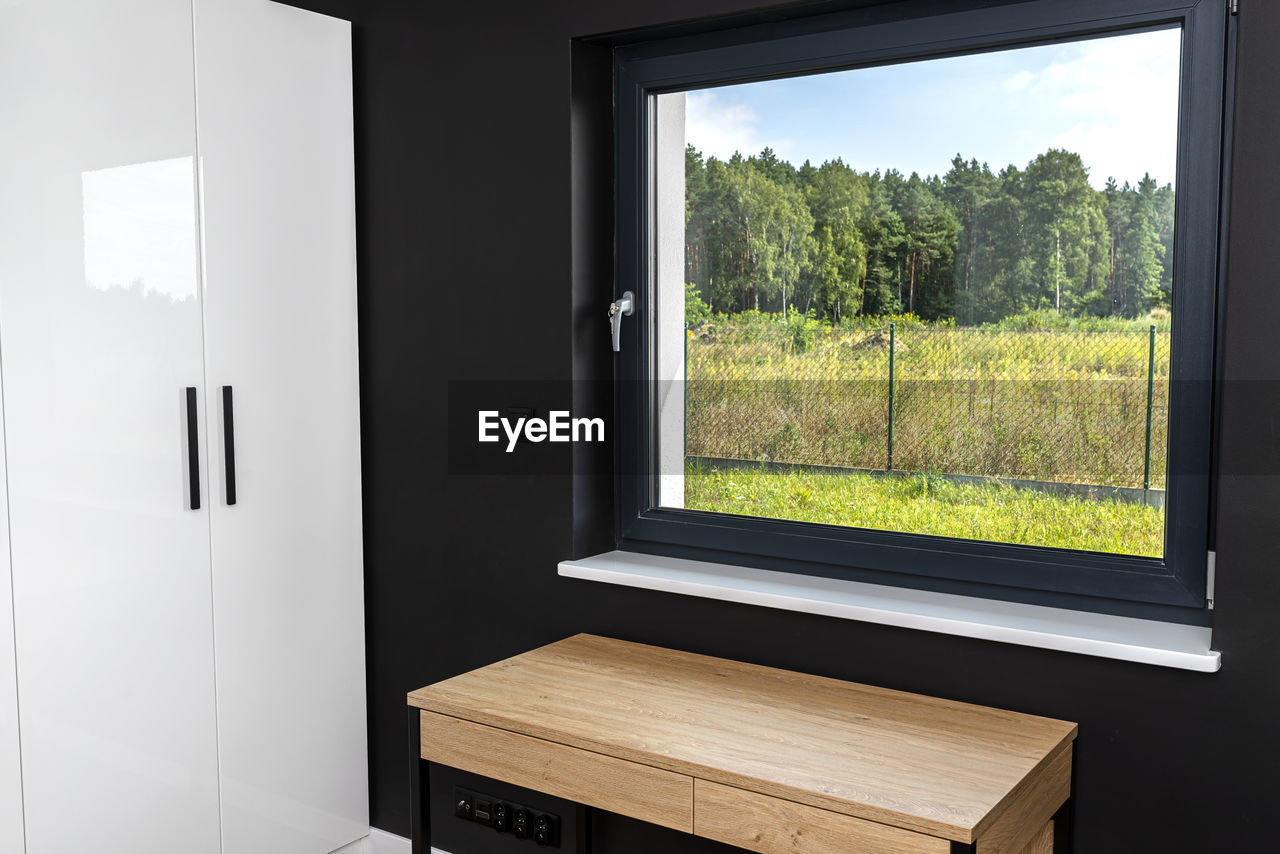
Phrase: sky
(1113, 101)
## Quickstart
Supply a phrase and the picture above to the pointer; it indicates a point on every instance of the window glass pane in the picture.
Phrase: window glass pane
(931, 297)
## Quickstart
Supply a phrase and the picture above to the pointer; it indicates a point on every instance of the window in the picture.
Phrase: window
(927, 302)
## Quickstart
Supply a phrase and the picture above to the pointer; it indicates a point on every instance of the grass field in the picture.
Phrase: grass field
(1064, 405)
(929, 505)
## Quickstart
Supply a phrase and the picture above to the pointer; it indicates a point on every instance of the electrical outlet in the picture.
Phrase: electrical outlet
(522, 822)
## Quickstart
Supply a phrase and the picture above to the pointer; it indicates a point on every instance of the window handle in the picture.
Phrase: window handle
(618, 309)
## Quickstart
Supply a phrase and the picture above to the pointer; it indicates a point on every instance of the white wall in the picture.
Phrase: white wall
(668, 251)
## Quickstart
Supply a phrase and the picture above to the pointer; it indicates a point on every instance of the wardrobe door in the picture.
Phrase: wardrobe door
(100, 335)
(274, 99)
(10, 757)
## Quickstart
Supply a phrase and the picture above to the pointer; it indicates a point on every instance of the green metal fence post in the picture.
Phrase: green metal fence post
(1151, 387)
(892, 330)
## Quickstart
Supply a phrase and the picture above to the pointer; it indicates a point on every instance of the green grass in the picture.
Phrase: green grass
(920, 504)
(1056, 404)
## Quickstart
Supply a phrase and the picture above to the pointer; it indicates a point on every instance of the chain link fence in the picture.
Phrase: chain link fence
(1066, 407)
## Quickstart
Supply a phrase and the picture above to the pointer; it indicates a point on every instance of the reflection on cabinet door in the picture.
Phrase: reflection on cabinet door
(10, 757)
(100, 325)
(274, 93)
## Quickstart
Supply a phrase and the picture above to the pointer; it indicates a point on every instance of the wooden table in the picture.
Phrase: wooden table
(768, 760)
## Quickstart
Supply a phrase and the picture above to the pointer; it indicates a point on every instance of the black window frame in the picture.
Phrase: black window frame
(1172, 588)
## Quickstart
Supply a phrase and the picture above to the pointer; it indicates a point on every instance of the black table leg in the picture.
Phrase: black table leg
(419, 815)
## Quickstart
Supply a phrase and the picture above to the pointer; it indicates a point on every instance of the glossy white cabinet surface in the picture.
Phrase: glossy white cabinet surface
(274, 99)
(10, 755)
(100, 327)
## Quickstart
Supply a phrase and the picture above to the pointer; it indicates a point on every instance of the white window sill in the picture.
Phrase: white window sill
(1125, 638)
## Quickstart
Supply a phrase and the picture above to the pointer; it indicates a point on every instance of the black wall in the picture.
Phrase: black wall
(464, 169)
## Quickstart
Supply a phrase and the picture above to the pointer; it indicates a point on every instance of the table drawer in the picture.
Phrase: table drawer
(773, 826)
(649, 794)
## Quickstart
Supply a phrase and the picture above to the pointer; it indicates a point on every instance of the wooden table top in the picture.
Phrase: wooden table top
(937, 766)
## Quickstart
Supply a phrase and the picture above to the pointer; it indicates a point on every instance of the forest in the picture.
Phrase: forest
(972, 246)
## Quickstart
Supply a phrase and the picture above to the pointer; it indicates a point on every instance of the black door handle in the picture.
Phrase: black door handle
(193, 449)
(229, 444)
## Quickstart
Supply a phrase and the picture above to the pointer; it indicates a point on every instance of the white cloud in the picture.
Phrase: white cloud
(1121, 96)
(1019, 81)
(719, 127)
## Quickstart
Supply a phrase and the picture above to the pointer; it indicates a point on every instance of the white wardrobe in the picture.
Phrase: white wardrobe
(181, 588)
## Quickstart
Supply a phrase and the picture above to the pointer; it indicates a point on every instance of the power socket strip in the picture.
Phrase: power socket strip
(522, 822)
